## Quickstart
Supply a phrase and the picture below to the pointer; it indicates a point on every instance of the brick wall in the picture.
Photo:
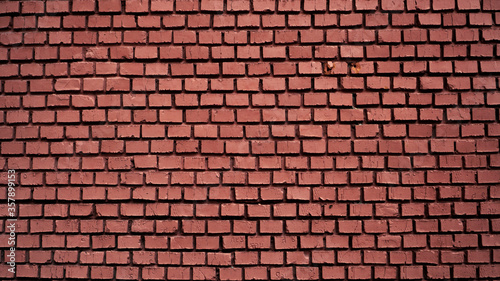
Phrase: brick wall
(266, 140)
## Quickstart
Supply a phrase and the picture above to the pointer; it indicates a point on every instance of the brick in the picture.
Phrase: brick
(351, 109)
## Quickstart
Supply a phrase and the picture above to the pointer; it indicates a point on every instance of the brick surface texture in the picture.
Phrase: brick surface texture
(251, 140)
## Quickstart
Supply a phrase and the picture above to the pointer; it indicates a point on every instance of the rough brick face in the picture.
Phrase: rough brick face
(252, 139)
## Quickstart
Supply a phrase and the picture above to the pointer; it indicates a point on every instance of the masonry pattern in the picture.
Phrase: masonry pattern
(252, 140)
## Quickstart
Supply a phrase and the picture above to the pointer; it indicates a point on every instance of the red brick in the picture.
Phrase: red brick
(400, 154)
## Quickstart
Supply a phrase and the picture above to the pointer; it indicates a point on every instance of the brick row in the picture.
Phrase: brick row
(260, 273)
(454, 104)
